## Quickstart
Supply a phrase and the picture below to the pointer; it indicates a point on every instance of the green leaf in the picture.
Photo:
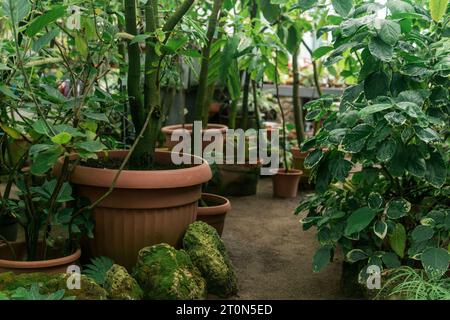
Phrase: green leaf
(374, 200)
(378, 48)
(321, 51)
(380, 229)
(359, 220)
(397, 240)
(376, 84)
(313, 158)
(435, 262)
(81, 46)
(7, 92)
(395, 118)
(438, 9)
(44, 161)
(422, 233)
(270, 11)
(139, 38)
(386, 150)
(342, 7)
(389, 32)
(91, 146)
(436, 170)
(45, 20)
(391, 260)
(356, 255)
(321, 258)
(62, 138)
(174, 44)
(17, 10)
(427, 135)
(397, 6)
(397, 208)
(354, 141)
(415, 165)
(45, 39)
(340, 169)
(10, 131)
(96, 116)
(364, 112)
(306, 4)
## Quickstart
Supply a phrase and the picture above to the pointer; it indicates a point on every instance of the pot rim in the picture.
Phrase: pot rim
(221, 208)
(211, 126)
(39, 264)
(140, 179)
(291, 172)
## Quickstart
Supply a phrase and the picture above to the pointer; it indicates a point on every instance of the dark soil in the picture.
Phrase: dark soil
(114, 163)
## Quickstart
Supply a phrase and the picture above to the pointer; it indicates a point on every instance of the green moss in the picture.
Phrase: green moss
(50, 283)
(120, 285)
(166, 273)
(207, 251)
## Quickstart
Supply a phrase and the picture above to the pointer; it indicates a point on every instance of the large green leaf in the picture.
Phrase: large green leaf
(354, 141)
(435, 261)
(359, 220)
(44, 161)
(16, 10)
(313, 158)
(380, 229)
(415, 165)
(422, 233)
(340, 169)
(398, 6)
(397, 208)
(374, 108)
(389, 32)
(386, 150)
(270, 11)
(45, 20)
(397, 240)
(378, 48)
(342, 7)
(438, 9)
(306, 4)
(356, 255)
(321, 258)
(436, 170)
(376, 84)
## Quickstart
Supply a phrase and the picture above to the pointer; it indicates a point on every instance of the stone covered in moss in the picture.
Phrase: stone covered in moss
(120, 285)
(166, 273)
(50, 283)
(208, 253)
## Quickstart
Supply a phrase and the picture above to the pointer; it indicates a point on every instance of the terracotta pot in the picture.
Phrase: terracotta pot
(238, 179)
(285, 184)
(168, 130)
(214, 108)
(298, 160)
(145, 208)
(214, 214)
(55, 265)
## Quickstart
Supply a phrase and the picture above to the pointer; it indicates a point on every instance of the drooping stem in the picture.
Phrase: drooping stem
(201, 107)
(298, 108)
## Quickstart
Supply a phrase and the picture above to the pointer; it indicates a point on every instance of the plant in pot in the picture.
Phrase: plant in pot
(393, 122)
(138, 196)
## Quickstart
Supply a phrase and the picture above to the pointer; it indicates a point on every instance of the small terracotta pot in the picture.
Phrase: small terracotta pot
(214, 214)
(168, 131)
(214, 108)
(285, 184)
(145, 207)
(299, 159)
(57, 265)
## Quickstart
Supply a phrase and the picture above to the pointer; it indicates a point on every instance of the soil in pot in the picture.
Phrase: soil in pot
(56, 261)
(169, 130)
(212, 210)
(285, 184)
(145, 207)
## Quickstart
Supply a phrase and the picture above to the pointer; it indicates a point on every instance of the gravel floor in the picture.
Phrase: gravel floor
(271, 254)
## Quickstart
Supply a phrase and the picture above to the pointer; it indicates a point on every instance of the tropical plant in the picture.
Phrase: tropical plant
(381, 158)
(33, 294)
(97, 269)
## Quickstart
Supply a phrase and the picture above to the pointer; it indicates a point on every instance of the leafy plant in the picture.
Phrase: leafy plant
(412, 284)
(98, 268)
(381, 158)
(34, 294)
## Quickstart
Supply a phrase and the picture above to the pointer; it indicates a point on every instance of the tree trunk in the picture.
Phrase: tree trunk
(298, 108)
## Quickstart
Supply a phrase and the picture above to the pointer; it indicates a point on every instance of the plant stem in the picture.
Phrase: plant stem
(283, 120)
(298, 109)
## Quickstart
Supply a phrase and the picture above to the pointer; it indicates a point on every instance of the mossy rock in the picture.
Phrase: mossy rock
(50, 283)
(168, 274)
(120, 285)
(208, 253)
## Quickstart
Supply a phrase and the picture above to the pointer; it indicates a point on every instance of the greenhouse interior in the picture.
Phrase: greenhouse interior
(224, 151)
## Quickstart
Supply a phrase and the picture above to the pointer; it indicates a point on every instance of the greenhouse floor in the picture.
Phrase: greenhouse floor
(271, 254)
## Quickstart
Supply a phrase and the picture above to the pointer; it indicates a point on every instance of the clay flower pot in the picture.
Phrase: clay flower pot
(214, 214)
(145, 207)
(285, 184)
(299, 159)
(54, 265)
(168, 130)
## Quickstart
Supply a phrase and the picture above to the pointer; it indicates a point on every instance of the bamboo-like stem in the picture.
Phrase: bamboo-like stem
(298, 108)
(201, 107)
(246, 92)
(255, 104)
(283, 118)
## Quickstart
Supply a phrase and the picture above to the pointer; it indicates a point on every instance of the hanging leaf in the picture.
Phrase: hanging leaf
(435, 261)
(45, 20)
(321, 258)
(358, 220)
(438, 9)
(378, 48)
(342, 7)
(397, 240)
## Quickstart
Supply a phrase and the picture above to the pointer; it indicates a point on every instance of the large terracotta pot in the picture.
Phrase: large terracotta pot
(54, 265)
(145, 207)
(238, 179)
(168, 130)
(215, 212)
(285, 184)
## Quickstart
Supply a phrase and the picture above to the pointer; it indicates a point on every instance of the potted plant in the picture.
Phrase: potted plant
(213, 209)
(393, 123)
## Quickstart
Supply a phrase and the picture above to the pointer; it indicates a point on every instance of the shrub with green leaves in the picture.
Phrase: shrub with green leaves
(380, 162)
